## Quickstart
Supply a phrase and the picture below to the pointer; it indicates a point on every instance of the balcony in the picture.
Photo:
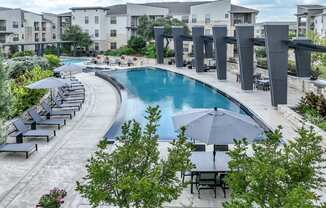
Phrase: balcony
(37, 28)
(43, 28)
(3, 28)
(36, 39)
(43, 39)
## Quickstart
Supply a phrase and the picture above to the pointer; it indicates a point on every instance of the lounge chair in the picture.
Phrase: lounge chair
(72, 93)
(24, 132)
(70, 98)
(130, 62)
(49, 112)
(38, 120)
(27, 148)
(60, 104)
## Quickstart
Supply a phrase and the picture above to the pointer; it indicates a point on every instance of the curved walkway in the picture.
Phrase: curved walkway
(61, 162)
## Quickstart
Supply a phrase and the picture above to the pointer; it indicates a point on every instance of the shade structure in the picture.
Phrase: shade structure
(217, 126)
(70, 68)
(48, 83)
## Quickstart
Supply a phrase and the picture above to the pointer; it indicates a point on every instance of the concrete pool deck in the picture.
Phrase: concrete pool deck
(62, 161)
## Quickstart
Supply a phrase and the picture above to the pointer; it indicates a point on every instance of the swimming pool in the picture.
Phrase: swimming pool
(72, 60)
(172, 92)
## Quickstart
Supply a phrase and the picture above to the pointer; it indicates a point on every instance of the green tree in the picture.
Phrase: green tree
(146, 27)
(5, 98)
(137, 43)
(277, 176)
(133, 175)
(79, 38)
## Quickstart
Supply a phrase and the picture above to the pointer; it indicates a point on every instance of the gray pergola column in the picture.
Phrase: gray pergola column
(177, 32)
(159, 44)
(245, 45)
(277, 60)
(303, 59)
(219, 34)
(197, 33)
(208, 49)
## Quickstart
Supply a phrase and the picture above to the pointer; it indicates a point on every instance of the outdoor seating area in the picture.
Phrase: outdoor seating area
(66, 97)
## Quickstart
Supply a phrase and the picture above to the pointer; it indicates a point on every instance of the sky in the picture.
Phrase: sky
(270, 10)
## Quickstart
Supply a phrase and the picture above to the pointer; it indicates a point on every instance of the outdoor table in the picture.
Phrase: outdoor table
(203, 162)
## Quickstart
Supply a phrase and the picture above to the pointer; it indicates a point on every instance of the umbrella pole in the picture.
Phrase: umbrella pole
(214, 154)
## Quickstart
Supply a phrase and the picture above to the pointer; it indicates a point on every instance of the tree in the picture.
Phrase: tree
(79, 38)
(5, 98)
(133, 175)
(276, 176)
(146, 27)
(137, 43)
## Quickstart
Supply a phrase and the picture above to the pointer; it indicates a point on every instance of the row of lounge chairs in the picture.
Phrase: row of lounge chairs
(65, 104)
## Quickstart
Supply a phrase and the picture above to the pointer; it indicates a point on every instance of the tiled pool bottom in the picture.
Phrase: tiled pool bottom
(170, 91)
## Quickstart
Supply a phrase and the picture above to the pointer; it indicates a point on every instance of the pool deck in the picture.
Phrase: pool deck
(62, 161)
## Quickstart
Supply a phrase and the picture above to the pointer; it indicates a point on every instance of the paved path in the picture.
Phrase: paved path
(60, 162)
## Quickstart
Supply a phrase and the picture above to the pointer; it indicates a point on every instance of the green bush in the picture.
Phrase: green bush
(262, 62)
(137, 43)
(54, 199)
(54, 61)
(125, 50)
(292, 67)
(19, 65)
(50, 50)
(22, 53)
(260, 52)
(150, 51)
(23, 98)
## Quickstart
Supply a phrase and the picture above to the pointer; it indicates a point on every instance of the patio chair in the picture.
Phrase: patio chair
(24, 132)
(27, 148)
(49, 112)
(223, 184)
(206, 181)
(130, 62)
(196, 148)
(60, 104)
(38, 120)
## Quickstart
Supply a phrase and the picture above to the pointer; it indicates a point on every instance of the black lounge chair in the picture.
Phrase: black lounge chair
(60, 104)
(70, 98)
(49, 112)
(27, 148)
(38, 120)
(72, 93)
(24, 132)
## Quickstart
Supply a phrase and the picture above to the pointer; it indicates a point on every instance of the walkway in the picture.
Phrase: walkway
(60, 162)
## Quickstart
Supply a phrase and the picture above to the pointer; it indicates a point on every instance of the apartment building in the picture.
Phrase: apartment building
(311, 18)
(21, 26)
(260, 32)
(111, 27)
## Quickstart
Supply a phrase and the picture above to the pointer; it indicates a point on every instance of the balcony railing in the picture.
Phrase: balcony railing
(36, 39)
(3, 28)
(37, 28)
(43, 39)
(43, 28)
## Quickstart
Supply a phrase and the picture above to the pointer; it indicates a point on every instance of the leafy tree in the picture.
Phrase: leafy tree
(133, 175)
(54, 60)
(137, 43)
(79, 38)
(146, 27)
(5, 98)
(277, 176)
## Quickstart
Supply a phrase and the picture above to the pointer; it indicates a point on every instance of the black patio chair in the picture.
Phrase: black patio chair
(38, 120)
(223, 183)
(196, 148)
(66, 105)
(24, 132)
(50, 112)
(206, 181)
(27, 148)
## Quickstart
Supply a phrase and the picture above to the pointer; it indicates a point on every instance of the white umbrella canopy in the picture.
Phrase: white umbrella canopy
(217, 126)
(48, 83)
(71, 68)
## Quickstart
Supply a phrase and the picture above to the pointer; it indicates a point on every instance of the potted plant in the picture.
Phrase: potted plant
(54, 199)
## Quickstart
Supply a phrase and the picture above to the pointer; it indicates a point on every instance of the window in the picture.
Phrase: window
(226, 16)
(36, 38)
(185, 19)
(23, 36)
(194, 19)
(54, 36)
(96, 33)
(185, 48)
(96, 46)
(53, 27)
(96, 19)
(207, 31)
(113, 20)
(86, 19)
(113, 33)
(43, 37)
(36, 26)
(15, 37)
(15, 24)
(207, 19)
(113, 45)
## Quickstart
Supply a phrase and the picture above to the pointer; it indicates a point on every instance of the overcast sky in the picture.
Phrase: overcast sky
(270, 10)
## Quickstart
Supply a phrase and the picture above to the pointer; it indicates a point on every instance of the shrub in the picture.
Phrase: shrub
(133, 175)
(51, 50)
(54, 199)
(260, 52)
(125, 50)
(54, 61)
(262, 62)
(292, 67)
(315, 73)
(19, 65)
(23, 98)
(150, 51)
(22, 53)
(137, 43)
(5, 99)
(313, 101)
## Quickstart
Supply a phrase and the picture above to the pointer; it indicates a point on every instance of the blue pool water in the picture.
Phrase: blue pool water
(72, 60)
(171, 91)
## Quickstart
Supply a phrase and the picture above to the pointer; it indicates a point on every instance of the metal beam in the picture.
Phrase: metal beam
(219, 33)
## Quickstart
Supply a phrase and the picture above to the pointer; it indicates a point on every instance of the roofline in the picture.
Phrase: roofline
(91, 8)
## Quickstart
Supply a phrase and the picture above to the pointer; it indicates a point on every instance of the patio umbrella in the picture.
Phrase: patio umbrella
(70, 68)
(48, 83)
(217, 126)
